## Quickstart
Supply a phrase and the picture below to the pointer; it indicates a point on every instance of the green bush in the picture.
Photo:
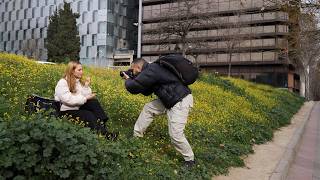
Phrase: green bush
(4, 106)
(38, 147)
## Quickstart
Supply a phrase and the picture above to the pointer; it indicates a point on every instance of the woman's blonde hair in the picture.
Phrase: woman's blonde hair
(69, 76)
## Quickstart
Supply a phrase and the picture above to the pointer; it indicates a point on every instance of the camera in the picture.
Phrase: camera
(128, 72)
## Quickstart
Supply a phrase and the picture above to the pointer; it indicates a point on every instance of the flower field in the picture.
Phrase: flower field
(229, 116)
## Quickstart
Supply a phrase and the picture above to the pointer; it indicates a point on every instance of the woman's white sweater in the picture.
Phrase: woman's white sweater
(71, 101)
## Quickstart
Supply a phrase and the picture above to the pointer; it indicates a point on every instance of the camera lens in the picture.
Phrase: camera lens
(121, 73)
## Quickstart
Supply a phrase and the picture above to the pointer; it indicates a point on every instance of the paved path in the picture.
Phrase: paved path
(306, 164)
(262, 165)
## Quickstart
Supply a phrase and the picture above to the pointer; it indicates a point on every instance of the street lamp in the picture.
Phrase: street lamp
(139, 29)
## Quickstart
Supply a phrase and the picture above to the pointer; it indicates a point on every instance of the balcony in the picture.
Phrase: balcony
(215, 50)
(253, 10)
(220, 38)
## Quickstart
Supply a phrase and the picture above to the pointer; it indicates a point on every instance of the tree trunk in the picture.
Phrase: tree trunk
(229, 69)
(196, 61)
(307, 84)
(302, 84)
(184, 50)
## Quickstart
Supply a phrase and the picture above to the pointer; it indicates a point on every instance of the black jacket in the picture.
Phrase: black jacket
(157, 79)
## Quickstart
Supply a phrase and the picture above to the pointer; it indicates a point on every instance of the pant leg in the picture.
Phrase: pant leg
(88, 118)
(177, 119)
(152, 108)
(94, 106)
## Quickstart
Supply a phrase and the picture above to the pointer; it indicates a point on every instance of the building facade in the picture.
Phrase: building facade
(249, 37)
(105, 27)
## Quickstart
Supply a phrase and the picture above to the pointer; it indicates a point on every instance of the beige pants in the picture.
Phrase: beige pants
(177, 119)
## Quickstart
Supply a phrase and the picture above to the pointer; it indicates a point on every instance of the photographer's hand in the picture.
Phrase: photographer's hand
(125, 76)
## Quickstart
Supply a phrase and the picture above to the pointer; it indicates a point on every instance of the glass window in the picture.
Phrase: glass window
(101, 51)
(33, 12)
(41, 11)
(95, 16)
(83, 40)
(2, 17)
(84, 17)
(12, 26)
(25, 13)
(29, 23)
(20, 44)
(102, 4)
(102, 27)
(51, 10)
(41, 32)
(37, 22)
(14, 5)
(6, 6)
(21, 4)
(46, 21)
(17, 14)
(111, 6)
(88, 51)
(94, 39)
(89, 28)
(79, 6)
(32, 34)
(110, 29)
(24, 34)
(90, 5)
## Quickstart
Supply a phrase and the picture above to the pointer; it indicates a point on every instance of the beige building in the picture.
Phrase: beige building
(249, 35)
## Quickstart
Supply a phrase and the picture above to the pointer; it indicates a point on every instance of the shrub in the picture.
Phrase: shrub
(38, 147)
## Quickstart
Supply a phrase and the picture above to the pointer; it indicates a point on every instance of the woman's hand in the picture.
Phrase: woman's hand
(87, 82)
(91, 96)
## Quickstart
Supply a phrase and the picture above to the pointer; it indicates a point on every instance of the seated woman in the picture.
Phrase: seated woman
(78, 101)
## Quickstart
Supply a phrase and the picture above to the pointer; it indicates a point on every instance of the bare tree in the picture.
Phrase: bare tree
(304, 38)
(308, 51)
(182, 19)
(315, 90)
(231, 35)
(311, 5)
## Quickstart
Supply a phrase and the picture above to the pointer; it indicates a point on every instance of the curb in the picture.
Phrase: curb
(282, 168)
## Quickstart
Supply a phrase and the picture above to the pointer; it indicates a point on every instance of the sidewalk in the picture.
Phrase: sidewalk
(306, 164)
(272, 159)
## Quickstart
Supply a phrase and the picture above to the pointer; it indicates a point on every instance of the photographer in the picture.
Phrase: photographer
(175, 99)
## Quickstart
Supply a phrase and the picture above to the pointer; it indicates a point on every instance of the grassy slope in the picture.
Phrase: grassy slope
(229, 116)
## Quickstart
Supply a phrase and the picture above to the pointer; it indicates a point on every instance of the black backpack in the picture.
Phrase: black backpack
(181, 67)
(37, 103)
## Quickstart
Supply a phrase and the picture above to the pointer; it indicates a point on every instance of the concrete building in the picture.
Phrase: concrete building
(260, 55)
(105, 26)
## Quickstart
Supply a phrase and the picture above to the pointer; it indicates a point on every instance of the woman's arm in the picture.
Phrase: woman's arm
(85, 89)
